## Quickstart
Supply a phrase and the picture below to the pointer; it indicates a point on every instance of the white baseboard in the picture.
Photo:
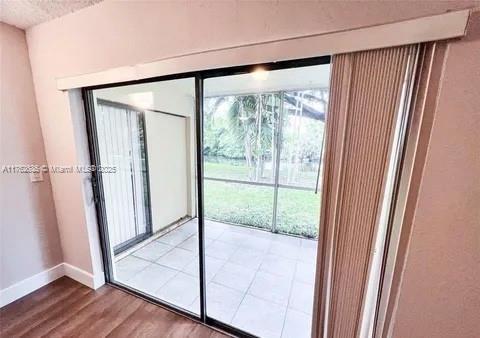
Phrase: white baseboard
(28, 285)
(84, 277)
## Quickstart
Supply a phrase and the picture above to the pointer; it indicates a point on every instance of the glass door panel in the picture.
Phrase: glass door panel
(146, 132)
(262, 146)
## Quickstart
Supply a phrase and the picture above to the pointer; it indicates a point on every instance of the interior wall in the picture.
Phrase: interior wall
(167, 165)
(440, 294)
(29, 239)
(75, 44)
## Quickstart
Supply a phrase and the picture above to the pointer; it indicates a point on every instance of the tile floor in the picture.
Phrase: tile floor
(257, 281)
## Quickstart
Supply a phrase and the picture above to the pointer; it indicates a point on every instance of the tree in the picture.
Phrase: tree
(252, 124)
(245, 127)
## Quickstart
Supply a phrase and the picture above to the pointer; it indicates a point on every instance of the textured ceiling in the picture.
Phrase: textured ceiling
(27, 13)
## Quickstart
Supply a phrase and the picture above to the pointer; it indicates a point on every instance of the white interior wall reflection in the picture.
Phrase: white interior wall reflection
(167, 167)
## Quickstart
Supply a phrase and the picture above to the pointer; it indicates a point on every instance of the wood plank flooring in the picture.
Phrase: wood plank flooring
(66, 308)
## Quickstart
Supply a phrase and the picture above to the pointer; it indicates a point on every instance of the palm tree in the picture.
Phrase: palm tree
(253, 125)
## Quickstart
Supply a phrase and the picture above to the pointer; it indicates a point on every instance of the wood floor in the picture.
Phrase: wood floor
(66, 308)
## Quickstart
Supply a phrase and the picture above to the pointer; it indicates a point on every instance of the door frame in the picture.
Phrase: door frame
(97, 183)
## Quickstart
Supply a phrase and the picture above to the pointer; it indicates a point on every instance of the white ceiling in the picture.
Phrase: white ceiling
(26, 13)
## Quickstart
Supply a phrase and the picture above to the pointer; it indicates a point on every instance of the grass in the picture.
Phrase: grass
(240, 172)
(227, 170)
(298, 210)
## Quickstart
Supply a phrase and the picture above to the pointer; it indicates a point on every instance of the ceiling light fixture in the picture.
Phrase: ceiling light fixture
(142, 100)
(260, 74)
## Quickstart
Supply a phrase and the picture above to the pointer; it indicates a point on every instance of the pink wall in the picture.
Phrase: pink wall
(115, 33)
(440, 296)
(29, 241)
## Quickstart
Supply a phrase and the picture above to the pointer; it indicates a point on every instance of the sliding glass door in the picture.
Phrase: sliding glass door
(210, 199)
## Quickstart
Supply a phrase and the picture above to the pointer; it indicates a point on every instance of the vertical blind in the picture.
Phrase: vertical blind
(121, 145)
(365, 103)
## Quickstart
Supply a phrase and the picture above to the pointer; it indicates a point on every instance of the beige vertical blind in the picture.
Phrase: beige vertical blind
(365, 101)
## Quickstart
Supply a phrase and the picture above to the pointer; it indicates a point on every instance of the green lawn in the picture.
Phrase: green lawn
(298, 210)
(240, 172)
(226, 170)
